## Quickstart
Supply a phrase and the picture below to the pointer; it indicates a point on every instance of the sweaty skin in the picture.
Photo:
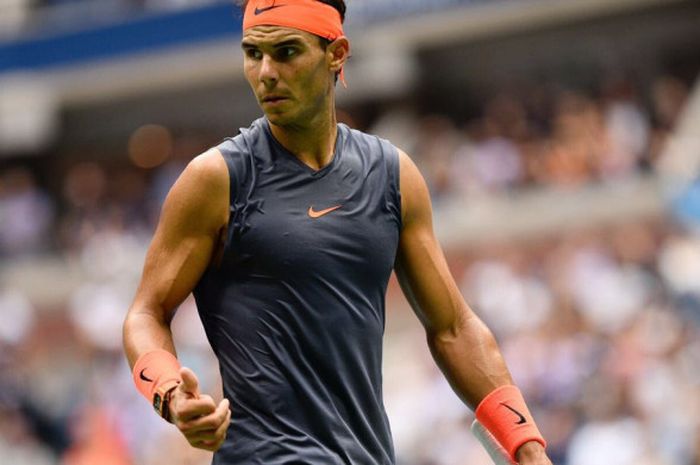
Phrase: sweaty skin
(183, 246)
(293, 79)
(462, 346)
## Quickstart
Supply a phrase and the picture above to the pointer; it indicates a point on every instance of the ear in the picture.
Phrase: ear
(338, 53)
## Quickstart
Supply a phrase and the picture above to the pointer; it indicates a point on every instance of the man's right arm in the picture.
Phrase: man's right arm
(192, 220)
(193, 216)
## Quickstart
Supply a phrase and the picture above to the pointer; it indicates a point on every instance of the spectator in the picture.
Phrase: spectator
(26, 214)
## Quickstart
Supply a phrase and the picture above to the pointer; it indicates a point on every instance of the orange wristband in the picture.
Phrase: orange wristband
(504, 413)
(156, 371)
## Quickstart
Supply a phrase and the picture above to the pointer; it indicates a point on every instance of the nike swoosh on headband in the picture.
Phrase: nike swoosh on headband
(259, 11)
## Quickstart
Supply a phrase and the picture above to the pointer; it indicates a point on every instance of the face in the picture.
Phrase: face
(289, 72)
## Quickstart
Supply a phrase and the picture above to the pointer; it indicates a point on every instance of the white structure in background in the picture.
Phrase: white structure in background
(28, 112)
(13, 15)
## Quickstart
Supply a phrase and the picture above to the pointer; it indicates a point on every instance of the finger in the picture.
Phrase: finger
(211, 447)
(224, 408)
(223, 428)
(189, 409)
(190, 383)
(217, 441)
(209, 422)
(209, 428)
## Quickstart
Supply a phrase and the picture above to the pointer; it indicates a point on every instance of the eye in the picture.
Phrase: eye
(253, 53)
(286, 53)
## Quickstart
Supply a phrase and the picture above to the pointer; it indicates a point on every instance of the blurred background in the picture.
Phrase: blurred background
(561, 143)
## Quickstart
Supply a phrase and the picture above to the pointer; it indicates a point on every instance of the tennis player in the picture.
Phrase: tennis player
(287, 234)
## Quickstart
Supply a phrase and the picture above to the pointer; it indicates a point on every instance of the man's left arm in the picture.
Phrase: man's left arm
(461, 344)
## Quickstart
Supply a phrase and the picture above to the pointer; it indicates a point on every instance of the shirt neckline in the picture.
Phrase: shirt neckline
(295, 160)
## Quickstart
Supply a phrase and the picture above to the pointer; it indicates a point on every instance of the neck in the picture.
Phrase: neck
(313, 142)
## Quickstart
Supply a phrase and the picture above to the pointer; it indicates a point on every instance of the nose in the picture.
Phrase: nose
(268, 72)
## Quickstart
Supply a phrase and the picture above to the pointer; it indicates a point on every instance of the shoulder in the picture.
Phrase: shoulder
(415, 205)
(201, 191)
(410, 174)
(244, 140)
(373, 150)
(207, 170)
(241, 153)
(361, 137)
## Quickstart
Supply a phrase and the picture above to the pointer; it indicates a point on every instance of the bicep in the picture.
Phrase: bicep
(421, 267)
(187, 234)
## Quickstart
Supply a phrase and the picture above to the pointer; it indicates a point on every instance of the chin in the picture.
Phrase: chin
(275, 118)
(279, 119)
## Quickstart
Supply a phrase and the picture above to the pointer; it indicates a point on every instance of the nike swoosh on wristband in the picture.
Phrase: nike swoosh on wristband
(317, 214)
(144, 377)
(520, 415)
(259, 11)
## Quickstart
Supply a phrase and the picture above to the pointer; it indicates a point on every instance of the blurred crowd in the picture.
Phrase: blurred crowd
(542, 134)
(601, 327)
(601, 330)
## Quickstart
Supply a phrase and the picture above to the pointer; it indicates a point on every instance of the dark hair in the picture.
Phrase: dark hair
(337, 4)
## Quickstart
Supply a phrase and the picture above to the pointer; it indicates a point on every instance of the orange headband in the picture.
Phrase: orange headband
(306, 15)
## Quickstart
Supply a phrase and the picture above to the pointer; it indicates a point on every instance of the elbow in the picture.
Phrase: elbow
(452, 328)
(133, 315)
(128, 322)
(129, 327)
(444, 338)
(466, 334)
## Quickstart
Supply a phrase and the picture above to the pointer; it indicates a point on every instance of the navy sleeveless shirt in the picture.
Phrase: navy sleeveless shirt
(295, 310)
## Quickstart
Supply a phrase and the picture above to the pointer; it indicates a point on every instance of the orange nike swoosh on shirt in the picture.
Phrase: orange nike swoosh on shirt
(317, 214)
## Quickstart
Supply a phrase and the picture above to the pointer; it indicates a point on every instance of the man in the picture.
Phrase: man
(287, 235)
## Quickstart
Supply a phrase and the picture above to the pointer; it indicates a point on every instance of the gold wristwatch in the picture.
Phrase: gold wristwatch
(161, 398)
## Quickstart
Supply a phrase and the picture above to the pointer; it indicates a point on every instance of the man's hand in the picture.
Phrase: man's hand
(200, 420)
(532, 453)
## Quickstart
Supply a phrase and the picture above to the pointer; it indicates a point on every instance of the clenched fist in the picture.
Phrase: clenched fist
(197, 416)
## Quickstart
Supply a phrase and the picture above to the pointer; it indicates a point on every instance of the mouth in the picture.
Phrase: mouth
(273, 99)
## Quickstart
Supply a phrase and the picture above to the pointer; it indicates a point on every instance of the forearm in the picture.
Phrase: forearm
(144, 332)
(461, 344)
(470, 358)
(468, 355)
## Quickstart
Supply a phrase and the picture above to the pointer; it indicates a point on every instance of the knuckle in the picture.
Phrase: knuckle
(185, 426)
(210, 423)
(180, 410)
